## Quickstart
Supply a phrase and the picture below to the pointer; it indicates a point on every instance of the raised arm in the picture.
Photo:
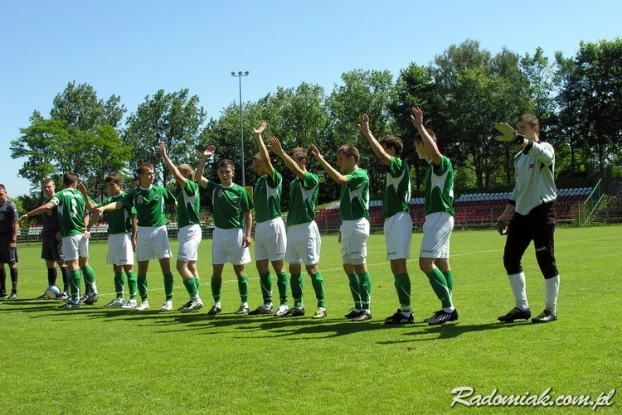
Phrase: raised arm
(429, 143)
(275, 146)
(198, 174)
(179, 178)
(87, 200)
(375, 145)
(334, 174)
(263, 151)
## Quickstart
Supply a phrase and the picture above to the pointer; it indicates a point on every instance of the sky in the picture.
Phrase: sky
(133, 48)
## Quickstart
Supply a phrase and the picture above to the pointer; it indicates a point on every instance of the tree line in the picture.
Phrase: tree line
(463, 92)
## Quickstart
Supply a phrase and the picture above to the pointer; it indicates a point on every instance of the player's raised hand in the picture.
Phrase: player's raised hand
(260, 129)
(162, 149)
(209, 151)
(364, 126)
(275, 145)
(315, 152)
(508, 133)
(417, 117)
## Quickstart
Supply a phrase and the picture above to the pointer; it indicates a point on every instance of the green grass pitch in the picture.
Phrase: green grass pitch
(96, 360)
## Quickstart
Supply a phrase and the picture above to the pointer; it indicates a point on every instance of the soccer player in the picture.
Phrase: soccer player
(533, 204)
(397, 221)
(150, 202)
(270, 235)
(122, 229)
(354, 230)
(233, 222)
(303, 236)
(189, 225)
(439, 220)
(9, 229)
(51, 246)
(75, 236)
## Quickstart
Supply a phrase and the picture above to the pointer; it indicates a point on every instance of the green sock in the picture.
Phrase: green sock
(216, 288)
(365, 284)
(439, 285)
(89, 279)
(75, 279)
(265, 282)
(449, 277)
(191, 287)
(281, 283)
(243, 288)
(197, 283)
(169, 282)
(132, 284)
(354, 290)
(318, 286)
(402, 286)
(295, 282)
(143, 284)
(119, 283)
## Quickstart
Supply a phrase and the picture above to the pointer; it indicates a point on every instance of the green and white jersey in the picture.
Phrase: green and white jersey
(71, 206)
(267, 197)
(302, 199)
(189, 205)
(150, 204)
(439, 187)
(120, 220)
(396, 193)
(355, 196)
(229, 205)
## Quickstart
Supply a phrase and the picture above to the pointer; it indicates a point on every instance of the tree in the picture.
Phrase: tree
(366, 92)
(175, 119)
(75, 138)
(414, 88)
(478, 90)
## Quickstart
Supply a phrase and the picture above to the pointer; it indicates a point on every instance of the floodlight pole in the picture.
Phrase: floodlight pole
(239, 75)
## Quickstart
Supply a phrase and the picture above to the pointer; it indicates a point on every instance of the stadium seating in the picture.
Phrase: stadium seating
(472, 209)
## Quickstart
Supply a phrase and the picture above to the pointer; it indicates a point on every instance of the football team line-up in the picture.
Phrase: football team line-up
(137, 225)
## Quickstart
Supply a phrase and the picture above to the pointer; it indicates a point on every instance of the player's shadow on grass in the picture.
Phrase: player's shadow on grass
(449, 331)
(31, 305)
(307, 328)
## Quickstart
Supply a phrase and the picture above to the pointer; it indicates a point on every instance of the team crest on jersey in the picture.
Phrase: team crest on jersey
(220, 193)
(139, 200)
(1, 216)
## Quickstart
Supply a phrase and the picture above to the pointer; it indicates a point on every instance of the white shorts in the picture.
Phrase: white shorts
(189, 239)
(228, 246)
(398, 235)
(75, 247)
(270, 240)
(303, 244)
(120, 250)
(354, 234)
(152, 243)
(437, 230)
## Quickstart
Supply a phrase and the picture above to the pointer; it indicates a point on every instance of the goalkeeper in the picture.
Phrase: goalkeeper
(532, 202)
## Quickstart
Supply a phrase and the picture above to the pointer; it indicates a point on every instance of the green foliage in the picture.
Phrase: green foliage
(175, 119)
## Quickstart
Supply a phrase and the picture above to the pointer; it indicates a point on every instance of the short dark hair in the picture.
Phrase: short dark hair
(225, 163)
(69, 178)
(114, 178)
(391, 141)
(349, 150)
